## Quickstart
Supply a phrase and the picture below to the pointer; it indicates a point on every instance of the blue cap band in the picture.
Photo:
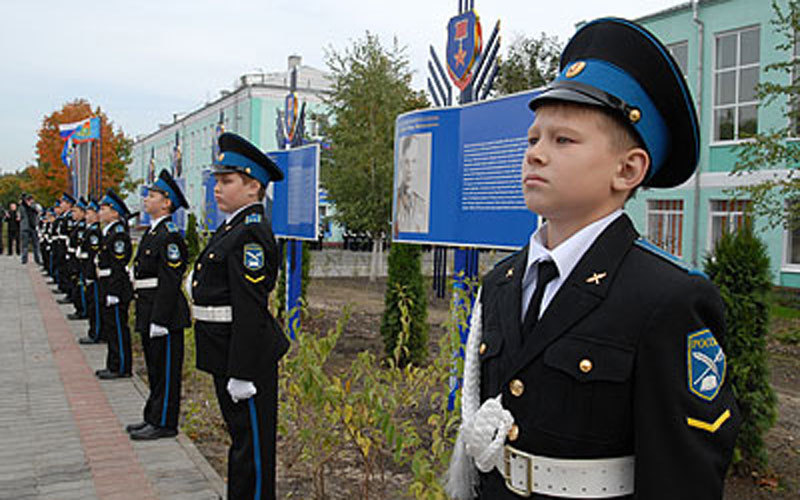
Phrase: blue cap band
(107, 200)
(651, 126)
(160, 185)
(92, 206)
(245, 165)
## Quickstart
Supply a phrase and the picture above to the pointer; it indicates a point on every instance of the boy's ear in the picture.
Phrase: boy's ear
(631, 170)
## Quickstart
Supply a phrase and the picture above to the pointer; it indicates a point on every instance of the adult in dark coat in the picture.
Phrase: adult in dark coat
(161, 309)
(12, 223)
(238, 340)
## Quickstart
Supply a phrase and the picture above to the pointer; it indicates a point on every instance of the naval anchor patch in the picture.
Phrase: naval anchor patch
(173, 252)
(706, 364)
(253, 256)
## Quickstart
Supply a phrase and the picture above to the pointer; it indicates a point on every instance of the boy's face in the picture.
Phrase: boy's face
(107, 214)
(569, 165)
(91, 216)
(78, 213)
(232, 192)
(156, 203)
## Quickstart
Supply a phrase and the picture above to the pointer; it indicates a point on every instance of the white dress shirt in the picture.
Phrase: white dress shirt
(565, 256)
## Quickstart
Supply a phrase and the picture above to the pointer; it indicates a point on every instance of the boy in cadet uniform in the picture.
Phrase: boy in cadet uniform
(594, 367)
(116, 291)
(63, 228)
(78, 295)
(89, 248)
(45, 236)
(161, 309)
(238, 340)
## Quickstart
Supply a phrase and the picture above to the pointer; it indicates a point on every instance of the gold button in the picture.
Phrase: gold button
(517, 387)
(227, 228)
(635, 115)
(199, 265)
(482, 349)
(513, 433)
(147, 251)
(585, 365)
(211, 255)
(194, 283)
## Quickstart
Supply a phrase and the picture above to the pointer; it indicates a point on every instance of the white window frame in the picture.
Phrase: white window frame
(678, 250)
(737, 68)
(786, 265)
(729, 214)
(682, 43)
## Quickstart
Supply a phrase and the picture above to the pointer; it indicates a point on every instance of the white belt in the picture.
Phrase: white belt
(145, 283)
(213, 314)
(70, 250)
(82, 255)
(103, 273)
(574, 478)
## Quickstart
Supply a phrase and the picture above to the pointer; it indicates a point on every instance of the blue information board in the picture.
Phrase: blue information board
(458, 175)
(295, 200)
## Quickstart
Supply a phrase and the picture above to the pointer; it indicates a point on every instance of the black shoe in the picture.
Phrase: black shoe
(88, 340)
(149, 432)
(135, 427)
(109, 375)
(64, 301)
(75, 316)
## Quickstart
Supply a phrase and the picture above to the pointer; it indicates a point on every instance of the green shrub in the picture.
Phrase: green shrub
(192, 238)
(739, 266)
(280, 286)
(405, 289)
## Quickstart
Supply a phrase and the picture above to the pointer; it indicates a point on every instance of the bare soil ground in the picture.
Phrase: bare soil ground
(201, 419)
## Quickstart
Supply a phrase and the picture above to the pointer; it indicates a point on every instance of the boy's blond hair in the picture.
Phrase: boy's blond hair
(262, 190)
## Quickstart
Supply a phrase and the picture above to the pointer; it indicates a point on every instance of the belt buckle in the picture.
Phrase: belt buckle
(517, 480)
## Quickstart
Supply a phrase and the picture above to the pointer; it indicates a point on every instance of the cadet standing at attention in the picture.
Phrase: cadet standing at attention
(594, 367)
(63, 228)
(89, 249)
(161, 309)
(78, 295)
(238, 340)
(115, 286)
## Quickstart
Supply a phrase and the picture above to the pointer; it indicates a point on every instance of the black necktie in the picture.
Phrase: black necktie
(546, 273)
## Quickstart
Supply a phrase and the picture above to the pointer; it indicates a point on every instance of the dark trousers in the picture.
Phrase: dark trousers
(164, 359)
(252, 426)
(13, 241)
(94, 312)
(31, 238)
(78, 296)
(118, 335)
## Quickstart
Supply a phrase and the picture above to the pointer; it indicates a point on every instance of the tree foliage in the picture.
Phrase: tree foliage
(50, 177)
(769, 148)
(739, 266)
(404, 325)
(531, 62)
(371, 85)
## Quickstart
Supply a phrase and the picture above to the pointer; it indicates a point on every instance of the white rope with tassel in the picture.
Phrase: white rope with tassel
(483, 430)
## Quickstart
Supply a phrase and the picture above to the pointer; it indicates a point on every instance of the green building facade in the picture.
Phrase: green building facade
(723, 47)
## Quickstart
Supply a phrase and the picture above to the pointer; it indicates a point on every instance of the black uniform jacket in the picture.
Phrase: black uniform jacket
(604, 371)
(114, 254)
(89, 247)
(162, 254)
(238, 268)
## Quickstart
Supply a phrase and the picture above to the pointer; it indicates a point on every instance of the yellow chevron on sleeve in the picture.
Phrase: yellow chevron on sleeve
(699, 424)
(173, 264)
(254, 280)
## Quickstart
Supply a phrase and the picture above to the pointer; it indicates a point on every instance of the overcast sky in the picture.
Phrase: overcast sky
(142, 61)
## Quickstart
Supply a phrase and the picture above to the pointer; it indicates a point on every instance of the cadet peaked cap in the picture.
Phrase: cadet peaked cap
(68, 198)
(92, 205)
(81, 203)
(618, 65)
(114, 201)
(237, 154)
(167, 185)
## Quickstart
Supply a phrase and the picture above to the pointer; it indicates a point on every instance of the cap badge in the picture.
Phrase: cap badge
(247, 170)
(575, 69)
(221, 156)
(634, 115)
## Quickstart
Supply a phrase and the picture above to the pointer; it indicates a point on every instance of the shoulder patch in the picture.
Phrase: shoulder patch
(119, 228)
(173, 252)
(119, 247)
(672, 259)
(253, 219)
(171, 227)
(705, 364)
(94, 240)
(253, 256)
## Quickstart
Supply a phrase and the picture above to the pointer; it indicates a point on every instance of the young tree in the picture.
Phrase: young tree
(739, 266)
(531, 62)
(404, 328)
(371, 86)
(50, 177)
(777, 199)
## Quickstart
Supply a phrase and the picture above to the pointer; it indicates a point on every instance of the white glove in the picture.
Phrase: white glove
(187, 284)
(111, 300)
(485, 434)
(157, 331)
(240, 389)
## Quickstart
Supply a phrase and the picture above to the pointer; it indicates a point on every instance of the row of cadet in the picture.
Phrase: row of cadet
(87, 251)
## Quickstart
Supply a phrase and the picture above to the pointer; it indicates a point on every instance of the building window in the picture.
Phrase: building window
(736, 74)
(680, 52)
(727, 216)
(665, 225)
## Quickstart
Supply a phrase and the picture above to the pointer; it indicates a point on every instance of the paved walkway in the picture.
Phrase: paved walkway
(61, 430)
